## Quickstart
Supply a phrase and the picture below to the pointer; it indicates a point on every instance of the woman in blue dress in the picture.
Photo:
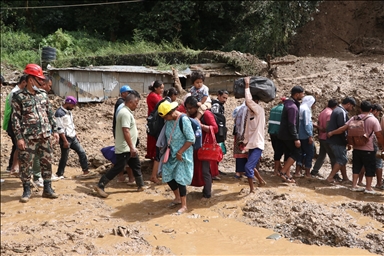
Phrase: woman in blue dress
(178, 170)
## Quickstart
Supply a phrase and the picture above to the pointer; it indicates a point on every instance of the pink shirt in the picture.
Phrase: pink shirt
(371, 126)
(255, 125)
(322, 122)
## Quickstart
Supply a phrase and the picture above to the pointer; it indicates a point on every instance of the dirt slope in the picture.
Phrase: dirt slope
(357, 26)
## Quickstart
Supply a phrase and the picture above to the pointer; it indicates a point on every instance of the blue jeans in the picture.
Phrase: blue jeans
(307, 151)
(75, 145)
(253, 157)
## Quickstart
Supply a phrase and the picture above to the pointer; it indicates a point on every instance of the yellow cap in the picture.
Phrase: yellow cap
(165, 107)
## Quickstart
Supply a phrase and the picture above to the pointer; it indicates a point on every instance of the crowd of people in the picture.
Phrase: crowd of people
(291, 131)
(33, 127)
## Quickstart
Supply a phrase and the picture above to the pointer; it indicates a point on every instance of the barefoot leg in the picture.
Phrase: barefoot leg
(155, 168)
(130, 174)
(251, 187)
(259, 178)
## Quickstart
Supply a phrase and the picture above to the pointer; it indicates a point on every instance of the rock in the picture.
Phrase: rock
(296, 208)
(274, 236)
(98, 161)
(101, 169)
(168, 231)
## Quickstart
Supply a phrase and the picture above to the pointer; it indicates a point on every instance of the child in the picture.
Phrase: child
(200, 92)
(170, 94)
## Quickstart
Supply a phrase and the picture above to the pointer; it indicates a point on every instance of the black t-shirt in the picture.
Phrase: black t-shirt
(338, 118)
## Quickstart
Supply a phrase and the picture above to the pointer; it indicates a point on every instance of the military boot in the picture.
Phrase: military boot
(48, 192)
(26, 192)
(99, 188)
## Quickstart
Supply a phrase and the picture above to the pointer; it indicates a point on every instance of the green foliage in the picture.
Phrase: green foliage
(269, 26)
(18, 48)
(257, 27)
(16, 40)
(20, 59)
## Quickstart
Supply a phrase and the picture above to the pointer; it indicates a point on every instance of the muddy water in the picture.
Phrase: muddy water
(80, 223)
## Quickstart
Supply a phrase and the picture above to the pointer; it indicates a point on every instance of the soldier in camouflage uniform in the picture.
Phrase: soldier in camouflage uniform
(33, 122)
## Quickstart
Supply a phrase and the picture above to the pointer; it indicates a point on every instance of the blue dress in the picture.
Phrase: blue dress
(180, 171)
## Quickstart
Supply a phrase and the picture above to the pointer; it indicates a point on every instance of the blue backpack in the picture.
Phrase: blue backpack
(196, 130)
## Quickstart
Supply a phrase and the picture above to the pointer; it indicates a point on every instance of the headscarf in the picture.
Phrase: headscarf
(305, 106)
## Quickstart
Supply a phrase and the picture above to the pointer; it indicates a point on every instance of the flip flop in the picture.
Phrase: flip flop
(286, 178)
(131, 183)
(332, 182)
(181, 211)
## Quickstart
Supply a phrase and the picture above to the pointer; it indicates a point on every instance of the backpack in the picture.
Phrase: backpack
(221, 134)
(356, 131)
(155, 122)
(196, 130)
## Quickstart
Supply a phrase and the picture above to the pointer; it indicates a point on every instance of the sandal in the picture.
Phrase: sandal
(181, 210)
(131, 183)
(286, 178)
(332, 182)
(237, 176)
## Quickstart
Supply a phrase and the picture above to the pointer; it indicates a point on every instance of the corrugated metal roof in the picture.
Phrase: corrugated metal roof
(117, 68)
(147, 70)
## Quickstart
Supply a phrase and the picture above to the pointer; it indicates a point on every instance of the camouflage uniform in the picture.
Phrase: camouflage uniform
(33, 120)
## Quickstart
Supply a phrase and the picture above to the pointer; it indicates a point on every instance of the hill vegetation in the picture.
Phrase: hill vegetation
(89, 28)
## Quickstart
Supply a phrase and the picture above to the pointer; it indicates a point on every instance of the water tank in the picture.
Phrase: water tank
(48, 54)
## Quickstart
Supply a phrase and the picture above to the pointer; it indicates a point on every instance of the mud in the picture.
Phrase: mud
(315, 224)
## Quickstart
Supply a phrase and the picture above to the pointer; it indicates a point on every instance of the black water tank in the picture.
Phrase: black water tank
(48, 54)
